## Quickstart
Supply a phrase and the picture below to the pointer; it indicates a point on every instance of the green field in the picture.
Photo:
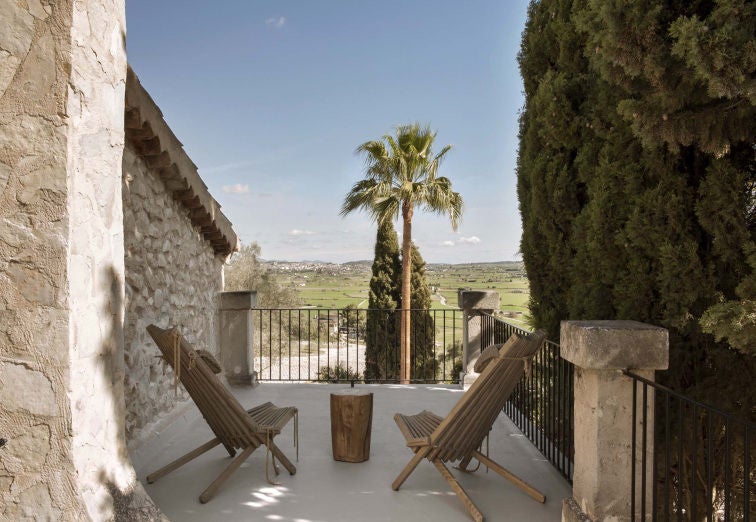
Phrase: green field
(336, 286)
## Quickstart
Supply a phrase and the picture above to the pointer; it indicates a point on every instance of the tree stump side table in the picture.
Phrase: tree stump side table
(351, 423)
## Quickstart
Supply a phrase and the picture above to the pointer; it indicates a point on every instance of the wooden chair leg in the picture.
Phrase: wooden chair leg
(410, 467)
(461, 493)
(278, 454)
(209, 493)
(517, 481)
(230, 449)
(152, 477)
(464, 463)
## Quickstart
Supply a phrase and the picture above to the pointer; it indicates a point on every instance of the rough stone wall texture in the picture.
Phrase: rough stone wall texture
(37, 461)
(173, 277)
(62, 74)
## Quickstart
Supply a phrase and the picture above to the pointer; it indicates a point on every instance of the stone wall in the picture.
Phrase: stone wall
(66, 112)
(173, 277)
(62, 79)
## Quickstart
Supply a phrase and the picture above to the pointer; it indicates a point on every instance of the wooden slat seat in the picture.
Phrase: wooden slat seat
(417, 428)
(459, 435)
(270, 417)
(233, 426)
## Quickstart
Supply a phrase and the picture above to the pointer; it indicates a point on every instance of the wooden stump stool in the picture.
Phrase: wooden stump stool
(351, 422)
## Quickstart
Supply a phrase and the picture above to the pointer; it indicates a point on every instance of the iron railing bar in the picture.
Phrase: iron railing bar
(550, 404)
(309, 344)
(694, 461)
(261, 342)
(299, 344)
(667, 439)
(655, 457)
(644, 437)
(687, 399)
(709, 478)
(633, 438)
(680, 445)
(728, 464)
(747, 474)
(270, 345)
(443, 336)
(347, 342)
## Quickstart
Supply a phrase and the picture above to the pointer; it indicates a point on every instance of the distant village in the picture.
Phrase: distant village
(514, 268)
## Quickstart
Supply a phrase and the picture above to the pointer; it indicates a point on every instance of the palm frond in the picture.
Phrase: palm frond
(399, 169)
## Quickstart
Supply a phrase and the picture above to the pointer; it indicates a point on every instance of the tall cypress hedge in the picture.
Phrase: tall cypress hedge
(423, 326)
(637, 178)
(382, 329)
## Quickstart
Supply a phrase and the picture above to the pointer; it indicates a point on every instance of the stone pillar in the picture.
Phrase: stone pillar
(603, 414)
(236, 337)
(62, 79)
(474, 303)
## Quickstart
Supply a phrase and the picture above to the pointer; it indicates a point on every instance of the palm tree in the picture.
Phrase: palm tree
(401, 174)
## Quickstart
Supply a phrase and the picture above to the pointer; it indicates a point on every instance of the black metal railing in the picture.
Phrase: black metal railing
(349, 344)
(701, 466)
(541, 406)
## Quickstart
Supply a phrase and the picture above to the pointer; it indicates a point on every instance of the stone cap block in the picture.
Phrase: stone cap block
(478, 299)
(615, 345)
(241, 300)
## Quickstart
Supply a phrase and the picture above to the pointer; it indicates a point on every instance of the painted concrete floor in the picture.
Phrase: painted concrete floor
(324, 490)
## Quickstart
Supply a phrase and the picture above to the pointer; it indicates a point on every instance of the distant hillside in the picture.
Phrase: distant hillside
(509, 266)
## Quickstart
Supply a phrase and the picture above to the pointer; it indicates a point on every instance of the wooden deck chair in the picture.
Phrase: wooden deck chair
(233, 426)
(459, 436)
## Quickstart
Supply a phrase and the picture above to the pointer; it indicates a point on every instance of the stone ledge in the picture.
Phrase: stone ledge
(478, 300)
(239, 300)
(154, 142)
(614, 345)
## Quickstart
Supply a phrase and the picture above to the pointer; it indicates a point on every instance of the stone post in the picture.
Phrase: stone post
(474, 303)
(236, 337)
(603, 409)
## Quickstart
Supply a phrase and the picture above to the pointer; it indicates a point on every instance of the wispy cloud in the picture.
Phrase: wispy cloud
(236, 189)
(297, 232)
(277, 21)
(473, 240)
(447, 243)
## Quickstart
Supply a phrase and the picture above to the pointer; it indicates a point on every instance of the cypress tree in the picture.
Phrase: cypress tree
(636, 175)
(381, 344)
(637, 179)
(423, 325)
(555, 79)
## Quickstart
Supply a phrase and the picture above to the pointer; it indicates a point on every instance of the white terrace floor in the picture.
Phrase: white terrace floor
(326, 490)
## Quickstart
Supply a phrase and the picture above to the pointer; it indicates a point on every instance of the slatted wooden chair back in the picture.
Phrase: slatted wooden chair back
(463, 430)
(223, 413)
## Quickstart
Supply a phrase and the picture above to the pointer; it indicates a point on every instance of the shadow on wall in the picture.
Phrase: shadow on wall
(126, 496)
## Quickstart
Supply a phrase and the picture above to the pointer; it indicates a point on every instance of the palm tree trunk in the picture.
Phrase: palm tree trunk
(406, 364)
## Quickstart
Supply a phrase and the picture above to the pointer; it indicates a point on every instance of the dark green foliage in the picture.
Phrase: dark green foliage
(338, 373)
(352, 321)
(422, 324)
(382, 330)
(735, 320)
(450, 362)
(636, 177)
(637, 180)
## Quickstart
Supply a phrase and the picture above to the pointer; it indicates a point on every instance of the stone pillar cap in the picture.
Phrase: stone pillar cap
(239, 300)
(478, 300)
(615, 345)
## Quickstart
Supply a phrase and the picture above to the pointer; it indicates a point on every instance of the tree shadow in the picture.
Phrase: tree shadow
(126, 496)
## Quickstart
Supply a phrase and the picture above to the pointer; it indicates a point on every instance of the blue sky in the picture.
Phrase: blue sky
(271, 98)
